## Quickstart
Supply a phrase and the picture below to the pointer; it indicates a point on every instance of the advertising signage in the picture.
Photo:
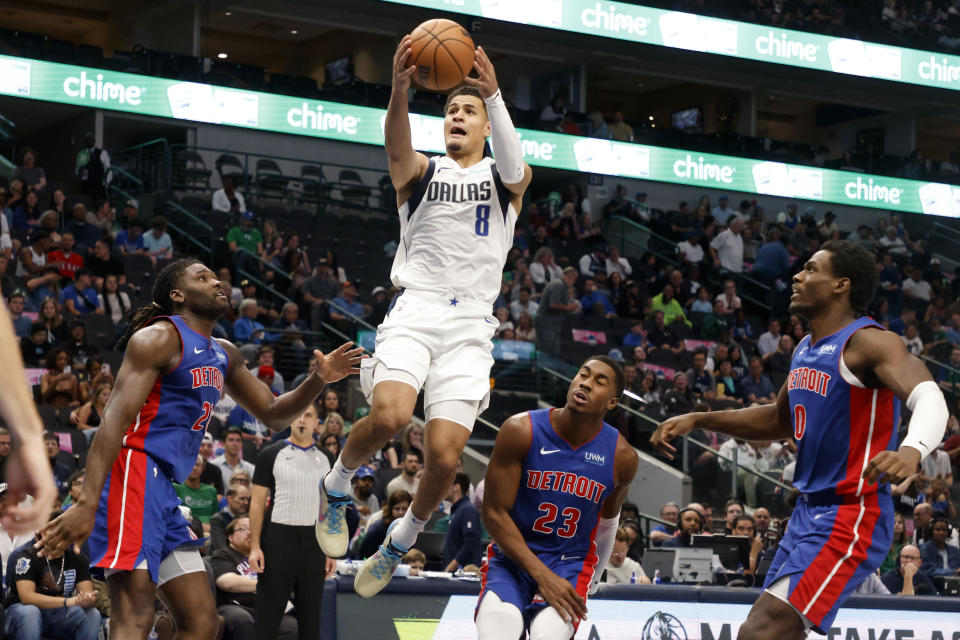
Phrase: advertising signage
(191, 101)
(714, 35)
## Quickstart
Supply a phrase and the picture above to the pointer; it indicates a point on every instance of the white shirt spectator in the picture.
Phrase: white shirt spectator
(937, 464)
(400, 482)
(222, 203)
(5, 241)
(720, 214)
(691, 252)
(768, 343)
(914, 345)
(622, 574)
(919, 288)
(872, 586)
(729, 247)
(540, 276)
(746, 455)
(729, 306)
(621, 265)
(517, 308)
(894, 246)
(226, 471)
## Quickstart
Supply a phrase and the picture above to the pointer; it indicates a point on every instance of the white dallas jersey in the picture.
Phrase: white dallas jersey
(455, 231)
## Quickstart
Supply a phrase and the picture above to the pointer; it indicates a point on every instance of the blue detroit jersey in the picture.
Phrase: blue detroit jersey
(563, 488)
(838, 426)
(171, 423)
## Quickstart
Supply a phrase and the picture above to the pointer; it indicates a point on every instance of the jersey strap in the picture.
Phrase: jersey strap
(421, 189)
(503, 194)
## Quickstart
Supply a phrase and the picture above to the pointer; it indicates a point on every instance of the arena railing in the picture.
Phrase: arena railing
(192, 240)
(194, 221)
(150, 160)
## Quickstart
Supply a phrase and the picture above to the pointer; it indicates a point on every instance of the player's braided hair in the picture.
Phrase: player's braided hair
(161, 305)
(851, 260)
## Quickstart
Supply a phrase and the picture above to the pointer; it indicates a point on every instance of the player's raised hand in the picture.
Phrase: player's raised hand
(668, 430)
(402, 69)
(27, 473)
(561, 595)
(892, 466)
(486, 80)
(72, 526)
(339, 363)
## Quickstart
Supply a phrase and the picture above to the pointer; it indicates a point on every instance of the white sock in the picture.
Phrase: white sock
(404, 535)
(337, 482)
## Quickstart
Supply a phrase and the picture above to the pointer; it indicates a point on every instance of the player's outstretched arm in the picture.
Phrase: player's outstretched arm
(27, 470)
(880, 359)
(277, 412)
(514, 172)
(766, 422)
(149, 353)
(406, 165)
(503, 478)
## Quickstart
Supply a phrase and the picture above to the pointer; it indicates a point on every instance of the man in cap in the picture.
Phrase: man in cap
(80, 298)
(363, 497)
(722, 211)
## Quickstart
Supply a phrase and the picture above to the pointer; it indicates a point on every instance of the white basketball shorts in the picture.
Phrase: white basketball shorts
(442, 342)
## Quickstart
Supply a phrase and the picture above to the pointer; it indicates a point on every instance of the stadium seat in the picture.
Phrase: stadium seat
(192, 168)
(352, 189)
(100, 330)
(229, 166)
(269, 178)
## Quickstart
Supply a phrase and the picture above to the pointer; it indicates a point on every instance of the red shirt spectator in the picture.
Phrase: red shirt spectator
(67, 261)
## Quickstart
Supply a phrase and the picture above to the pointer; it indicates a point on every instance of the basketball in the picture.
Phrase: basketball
(443, 53)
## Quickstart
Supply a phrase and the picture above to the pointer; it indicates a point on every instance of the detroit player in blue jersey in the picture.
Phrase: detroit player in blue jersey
(841, 404)
(172, 375)
(552, 498)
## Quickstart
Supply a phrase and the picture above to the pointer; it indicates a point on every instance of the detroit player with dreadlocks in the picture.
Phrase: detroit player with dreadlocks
(172, 375)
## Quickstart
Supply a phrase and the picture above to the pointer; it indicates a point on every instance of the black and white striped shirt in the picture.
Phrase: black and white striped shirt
(292, 475)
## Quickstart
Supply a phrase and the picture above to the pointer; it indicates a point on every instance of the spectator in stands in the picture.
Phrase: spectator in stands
(619, 129)
(911, 338)
(679, 399)
(26, 216)
(115, 303)
(64, 258)
(666, 303)
(363, 496)
(716, 323)
(908, 579)
(595, 262)
(51, 596)
(244, 237)
(416, 560)
(691, 524)
(778, 362)
(246, 328)
(728, 387)
(948, 377)
(731, 510)
(409, 478)
(33, 257)
(788, 219)
(621, 569)
(62, 466)
(618, 264)
(917, 292)
(756, 386)
(238, 503)
(731, 301)
(595, 301)
(461, 545)
(552, 115)
(726, 249)
(598, 127)
(723, 211)
(157, 243)
(103, 262)
(7, 283)
(129, 241)
(649, 391)
(84, 233)
(34, 349)
(34, 178)
(768, 341)
(59, 386)
(743, 525)
(80, 298)
(397, 504)
(319, 289)
(893, 243)
(266, 357)
(523, 304)
(201, 498)
(90, 414)
(691, 251)
(699, 379)
(347, 302)
(21, 323)
(662, 532)
(544, 269)
(922, 515)
(228, 199)
(236, 585)
(556, 303)
(230, 461)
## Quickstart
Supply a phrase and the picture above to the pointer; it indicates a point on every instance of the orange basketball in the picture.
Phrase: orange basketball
(442, 51)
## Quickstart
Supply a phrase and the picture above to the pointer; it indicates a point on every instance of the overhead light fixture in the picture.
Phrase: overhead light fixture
(294, 31)
(228, 13)
(222, 55)
(651, 117)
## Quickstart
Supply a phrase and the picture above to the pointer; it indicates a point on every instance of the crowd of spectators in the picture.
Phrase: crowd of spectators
(677, 318)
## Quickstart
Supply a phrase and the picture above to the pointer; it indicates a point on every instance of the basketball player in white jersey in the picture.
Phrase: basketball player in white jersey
(457, 214)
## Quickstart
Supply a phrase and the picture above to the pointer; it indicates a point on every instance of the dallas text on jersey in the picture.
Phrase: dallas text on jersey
(460, 192)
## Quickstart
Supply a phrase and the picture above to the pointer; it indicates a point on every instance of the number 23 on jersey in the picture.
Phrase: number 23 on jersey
(546, 523)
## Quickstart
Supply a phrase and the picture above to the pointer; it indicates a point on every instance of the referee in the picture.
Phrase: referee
(283, 543)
